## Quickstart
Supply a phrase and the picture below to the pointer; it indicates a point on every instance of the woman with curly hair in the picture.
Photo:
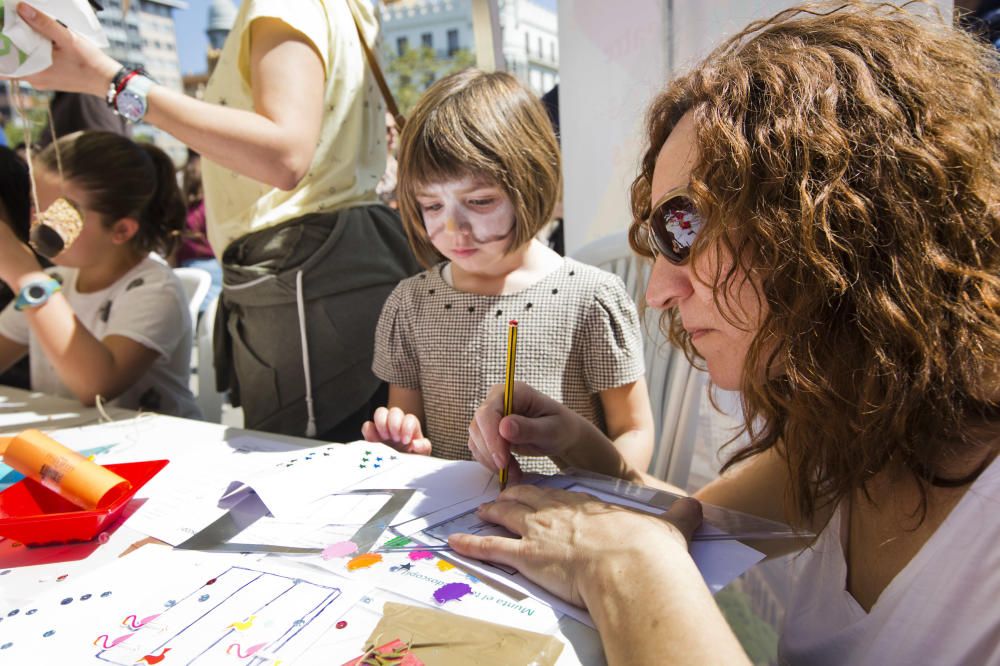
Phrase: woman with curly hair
(820, 197)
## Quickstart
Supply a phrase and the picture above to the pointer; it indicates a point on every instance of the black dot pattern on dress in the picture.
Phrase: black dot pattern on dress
(555, 291)
(527, 306)
(499, 312)
(472, 309)
(431, 291)
(447, 306)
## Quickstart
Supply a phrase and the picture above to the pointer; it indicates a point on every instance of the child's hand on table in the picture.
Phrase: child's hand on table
(397, 429)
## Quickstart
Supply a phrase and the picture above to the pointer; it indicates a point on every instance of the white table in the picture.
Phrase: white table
(27, 573)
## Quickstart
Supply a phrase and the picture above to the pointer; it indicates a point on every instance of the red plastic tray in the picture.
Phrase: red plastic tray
(35, 516)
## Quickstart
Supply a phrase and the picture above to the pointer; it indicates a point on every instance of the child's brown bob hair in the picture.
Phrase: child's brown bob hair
(487, 125)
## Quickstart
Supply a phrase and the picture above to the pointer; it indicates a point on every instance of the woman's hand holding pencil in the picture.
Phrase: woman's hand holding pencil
(539, 426)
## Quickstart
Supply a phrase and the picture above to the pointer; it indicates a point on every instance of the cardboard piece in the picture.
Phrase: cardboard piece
(64, 471)
(444, 639)
(55, 229)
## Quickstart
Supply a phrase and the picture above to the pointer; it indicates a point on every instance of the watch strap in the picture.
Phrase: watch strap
(36, 293)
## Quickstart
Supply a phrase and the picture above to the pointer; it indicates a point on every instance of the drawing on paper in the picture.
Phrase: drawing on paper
(251, 614)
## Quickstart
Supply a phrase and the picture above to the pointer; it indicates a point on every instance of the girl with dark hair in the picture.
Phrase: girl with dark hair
(820, 198)
(110, 319)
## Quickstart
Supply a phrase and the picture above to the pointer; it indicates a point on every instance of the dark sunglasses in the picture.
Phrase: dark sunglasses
(673, 226)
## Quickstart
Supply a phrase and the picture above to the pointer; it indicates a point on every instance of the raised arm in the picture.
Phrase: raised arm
(273, 144)
(86, 365)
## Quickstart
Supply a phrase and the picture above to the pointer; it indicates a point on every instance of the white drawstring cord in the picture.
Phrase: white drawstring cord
(299, 299)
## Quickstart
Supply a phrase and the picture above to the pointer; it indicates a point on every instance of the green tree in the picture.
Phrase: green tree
(757, 637)
(409, 74)
(37, 122)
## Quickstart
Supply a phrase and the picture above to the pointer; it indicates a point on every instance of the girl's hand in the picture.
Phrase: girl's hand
(539, 426)
(571, 544)
(398, 429)
(78, 65)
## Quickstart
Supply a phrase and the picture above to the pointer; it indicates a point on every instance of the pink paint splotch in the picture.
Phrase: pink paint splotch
(339, 549)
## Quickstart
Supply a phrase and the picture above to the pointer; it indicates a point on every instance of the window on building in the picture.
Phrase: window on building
(527, 44)
(452, 42)
(552, 51)
(402, 44)
(541, 51)
(427, 40)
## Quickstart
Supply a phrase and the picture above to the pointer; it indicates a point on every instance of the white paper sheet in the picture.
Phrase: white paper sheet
(718, 561)
(24, 52)
(201, 608)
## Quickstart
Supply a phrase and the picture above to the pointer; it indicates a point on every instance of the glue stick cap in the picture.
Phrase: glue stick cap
(64, 471)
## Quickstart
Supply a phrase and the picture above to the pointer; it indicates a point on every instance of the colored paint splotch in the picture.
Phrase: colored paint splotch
(339, 549)
(364, 561)
(445, 566)
(421, 555)
(451, 592)
(396, 542)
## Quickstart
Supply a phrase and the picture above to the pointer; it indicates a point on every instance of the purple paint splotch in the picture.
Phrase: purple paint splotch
(451, 592)
(421, 555)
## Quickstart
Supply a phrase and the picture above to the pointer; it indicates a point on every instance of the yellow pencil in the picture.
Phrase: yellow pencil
(508, 389)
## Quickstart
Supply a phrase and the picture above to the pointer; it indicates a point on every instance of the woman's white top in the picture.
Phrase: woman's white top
(942, 608)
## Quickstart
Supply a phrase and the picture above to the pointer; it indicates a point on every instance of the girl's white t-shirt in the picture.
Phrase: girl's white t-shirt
(943, 607)
(146, 305)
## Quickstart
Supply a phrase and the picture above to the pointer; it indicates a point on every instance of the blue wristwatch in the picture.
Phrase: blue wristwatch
(35, 293)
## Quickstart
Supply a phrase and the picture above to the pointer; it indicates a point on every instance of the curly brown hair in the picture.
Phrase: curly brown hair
(850, 162)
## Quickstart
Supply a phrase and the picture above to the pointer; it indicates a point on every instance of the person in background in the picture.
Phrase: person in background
(194, 250)
(15, 212)
(291, 134)
(479, 175)
(386, 188)
(820, 197)
(110, 320)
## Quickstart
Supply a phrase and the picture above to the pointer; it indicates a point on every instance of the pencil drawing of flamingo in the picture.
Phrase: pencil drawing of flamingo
(130, 621)
(151, 659)
(249, 651)
(107, 645)
(244, 625)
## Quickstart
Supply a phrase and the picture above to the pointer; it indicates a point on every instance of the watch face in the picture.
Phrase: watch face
(130, 105)
(35, 292)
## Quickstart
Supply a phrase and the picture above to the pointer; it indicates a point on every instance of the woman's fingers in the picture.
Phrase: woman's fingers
(477, 447)
(685, 514)
(511, 515)
(43, 24)
(487, 548)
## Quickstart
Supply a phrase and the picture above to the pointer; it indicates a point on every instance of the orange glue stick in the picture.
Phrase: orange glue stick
(64, 471)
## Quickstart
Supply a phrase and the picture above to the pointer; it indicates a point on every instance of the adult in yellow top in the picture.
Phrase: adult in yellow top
(292, 137)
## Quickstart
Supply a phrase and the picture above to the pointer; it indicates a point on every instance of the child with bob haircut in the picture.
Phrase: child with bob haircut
(110, 319)
(479, 176)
